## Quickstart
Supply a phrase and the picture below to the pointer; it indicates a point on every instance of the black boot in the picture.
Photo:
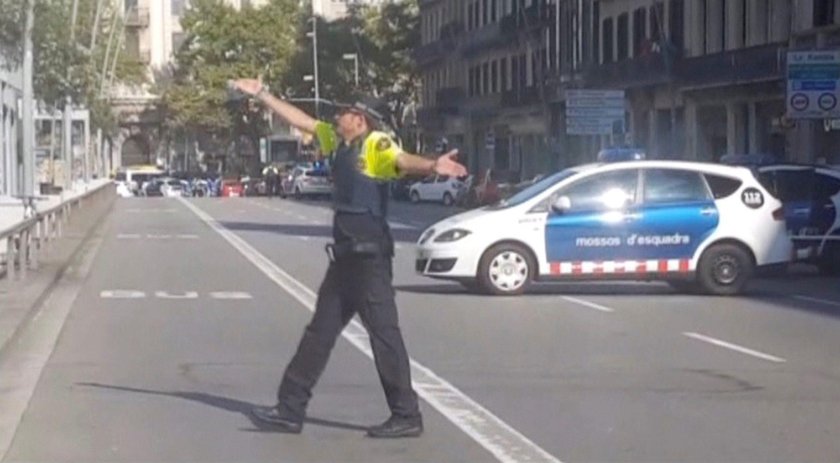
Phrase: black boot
(397, 427)
(272, 416)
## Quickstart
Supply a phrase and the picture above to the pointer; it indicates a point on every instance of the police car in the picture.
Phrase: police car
(697, 225)
(811, 198)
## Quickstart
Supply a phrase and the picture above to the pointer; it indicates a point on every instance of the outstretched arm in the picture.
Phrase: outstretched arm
(411, 164)
(289, 112)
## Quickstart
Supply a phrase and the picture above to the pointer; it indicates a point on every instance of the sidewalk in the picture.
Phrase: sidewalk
(19, 300)
(11, 209)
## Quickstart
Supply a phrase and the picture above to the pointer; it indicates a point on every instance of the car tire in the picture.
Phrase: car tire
(447, 199)
(829, 261)
(415, 197)
(724, 269)
(506, 269)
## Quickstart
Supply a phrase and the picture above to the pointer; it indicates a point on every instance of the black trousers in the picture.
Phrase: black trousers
(354, 284)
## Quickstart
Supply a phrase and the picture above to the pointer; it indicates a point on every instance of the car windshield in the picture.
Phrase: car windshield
(534, 190)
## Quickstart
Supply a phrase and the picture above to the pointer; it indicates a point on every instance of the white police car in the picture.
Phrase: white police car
(692, 224)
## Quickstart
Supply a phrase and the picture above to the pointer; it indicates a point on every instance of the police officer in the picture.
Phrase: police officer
(359, 277)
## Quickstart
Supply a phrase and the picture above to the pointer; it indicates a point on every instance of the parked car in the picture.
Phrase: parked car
(811, 197)
(172, 188)
(307, 180)
(232, 189)
(436, 188)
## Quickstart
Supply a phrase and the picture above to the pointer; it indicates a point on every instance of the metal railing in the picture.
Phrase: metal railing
(28, 240)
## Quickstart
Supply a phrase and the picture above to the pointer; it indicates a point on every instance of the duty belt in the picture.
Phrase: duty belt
(339, 250)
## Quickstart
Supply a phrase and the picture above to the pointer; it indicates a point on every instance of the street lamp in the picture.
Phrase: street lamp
(355, 58)
(314, 35)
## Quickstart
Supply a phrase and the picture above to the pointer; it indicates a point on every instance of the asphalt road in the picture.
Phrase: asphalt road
(182, 314)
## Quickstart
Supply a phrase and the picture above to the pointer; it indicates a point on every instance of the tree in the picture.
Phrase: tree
(382, 37)
(63, 67)
(222, 43)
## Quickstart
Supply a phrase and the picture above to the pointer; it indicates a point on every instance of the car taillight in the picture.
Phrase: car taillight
(779, 214)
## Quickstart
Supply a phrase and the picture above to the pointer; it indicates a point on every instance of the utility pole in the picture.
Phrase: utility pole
(67, 127)
(315, 62)
(28, 187)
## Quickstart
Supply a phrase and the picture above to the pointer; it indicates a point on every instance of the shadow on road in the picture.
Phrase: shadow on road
(323, 231)
(224, 403)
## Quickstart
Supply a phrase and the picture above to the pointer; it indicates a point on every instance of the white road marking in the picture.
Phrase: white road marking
(155, 236)
(128, 236)
(184, 295)
(591, 305)
(143, 210)
(232, 295)
(304, 238)
(397, 224)
(503, 441)
(816, 299)
(735, 347)
(302, 217)
(122, 294)
(187, 237)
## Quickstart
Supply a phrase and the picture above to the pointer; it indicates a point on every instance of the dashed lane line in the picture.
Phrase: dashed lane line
(504, 442)
(734, 347)
(591, 305)
(817, 300)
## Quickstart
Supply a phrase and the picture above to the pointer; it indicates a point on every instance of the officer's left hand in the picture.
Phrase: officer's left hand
(448, 166)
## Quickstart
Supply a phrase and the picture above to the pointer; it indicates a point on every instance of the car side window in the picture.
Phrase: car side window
(603, 192)
(795, 185)
(664, 186)
(721, 186)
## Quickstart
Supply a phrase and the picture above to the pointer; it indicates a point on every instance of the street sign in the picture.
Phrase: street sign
(813, 86)
(594, 112)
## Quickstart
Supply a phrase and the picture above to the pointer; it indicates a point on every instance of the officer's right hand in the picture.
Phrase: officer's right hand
(249, 86)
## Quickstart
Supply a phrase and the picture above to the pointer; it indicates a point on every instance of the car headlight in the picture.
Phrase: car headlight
(451, 235)
(428, 234)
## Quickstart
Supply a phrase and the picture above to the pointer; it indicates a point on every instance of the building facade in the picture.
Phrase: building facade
(331, 10)
(702, 78)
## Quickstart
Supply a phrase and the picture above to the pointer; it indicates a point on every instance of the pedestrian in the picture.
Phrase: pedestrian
(359, 276)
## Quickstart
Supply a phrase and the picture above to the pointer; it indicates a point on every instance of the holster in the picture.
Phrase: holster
(338, 251)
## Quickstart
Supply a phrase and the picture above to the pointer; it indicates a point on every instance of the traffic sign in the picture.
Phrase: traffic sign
(594, 112)
(813, 86)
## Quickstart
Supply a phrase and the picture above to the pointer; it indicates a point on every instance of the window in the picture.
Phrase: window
(657, 13)
(622, 37)
(485, 78)
(823, 12)
(676, 18)
(485, 10)
(470, 18)
(794, 185)
(503, 74)
(603, 192)
(177, 41)
(722, 186)
(639, 32)
(607, 53)
(494, 77)
(514, 72)
(664, 186)
(177, 7)
(825, 187)
(493, 11)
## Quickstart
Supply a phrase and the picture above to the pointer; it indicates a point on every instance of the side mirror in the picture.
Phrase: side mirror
(561, 204)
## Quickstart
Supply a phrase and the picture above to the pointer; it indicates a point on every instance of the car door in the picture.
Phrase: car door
(677, 214)
(594, 226)
(826, 216)
(426, 188)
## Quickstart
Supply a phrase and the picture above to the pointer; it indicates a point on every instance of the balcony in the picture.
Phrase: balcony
(487, 38)
(137, 17)
(531, 20)
(641, 71)
(766, 62)
(520, 97)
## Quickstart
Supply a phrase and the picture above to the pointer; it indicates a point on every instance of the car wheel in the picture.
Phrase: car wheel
(506, 269)
(829, 263)
(415, 197)
(447, 199)
(724, 269)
